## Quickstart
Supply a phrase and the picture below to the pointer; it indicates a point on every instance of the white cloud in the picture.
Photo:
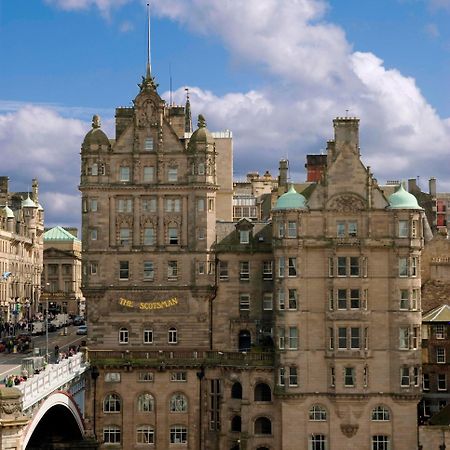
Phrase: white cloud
(104, 6)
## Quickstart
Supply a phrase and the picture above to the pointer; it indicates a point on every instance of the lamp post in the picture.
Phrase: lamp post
(46, 325)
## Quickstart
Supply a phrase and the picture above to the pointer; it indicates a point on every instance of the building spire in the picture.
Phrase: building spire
(187, 114)
(148, 74)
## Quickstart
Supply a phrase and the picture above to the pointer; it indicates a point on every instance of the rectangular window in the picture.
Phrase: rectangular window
(123, 270)
(404, 377)
(402, 267)
(440, 355)
(281, 375)
(281, 229)
(331, 338)
(178, 376)
(403, 228)
(201, 234)
(416, 376)
(354, 266)
(267, 301)
(172, 270)
(93, 234)
(149, 236)
(244, 270)
(415, 338)
(112, 377)
(292, 229)
(442, 382)
(355, 338)
(380, 442)
(281, 267)
(267, 270)
(342, 266)
(124, 205)
(200, 204)
(281, 338)
(331, 267)
(292, 301)
(349, 376)
(414, 266)
(414, 233)
(172, 204)
(355, 301)
(172, 174)
(426, 381)
(342, 338)
(439, 331)
(149, 174)
(123, 336)
(93, 268)
(148, 144)
(149, 204)
(340, 229)
(342, 298)
(210, 204)
(223, 270)
(281, 300)
(415, 299)
(244, 236)
(292, 267)
(93, 205)
(330, 299)
(149, 271)
(201, 268)
(404, 299)
(403, 338)
(124, 236)
(244, 302)
(124, 174)
(148, 337)
(352, 229)
(173, 235)
(332, 376)
(293, 338)
(293, 376)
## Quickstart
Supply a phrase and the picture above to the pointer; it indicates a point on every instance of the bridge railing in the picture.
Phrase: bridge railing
(39, 386)
(195, 358)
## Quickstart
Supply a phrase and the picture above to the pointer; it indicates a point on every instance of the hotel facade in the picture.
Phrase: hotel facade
(300, 332)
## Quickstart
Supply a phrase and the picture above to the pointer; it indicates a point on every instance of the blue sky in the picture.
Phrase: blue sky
(275, 72)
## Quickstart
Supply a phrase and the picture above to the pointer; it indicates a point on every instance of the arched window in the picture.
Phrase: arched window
(236, 390)
(178, 403)
(172, 336)
(123, 336)
(178, 434)
(145, 434)
(263, 393)
(145, 402)
(111, 434)
(317, 413)
(263, 425)
(381, 413)
(111, 403)
(236, 424)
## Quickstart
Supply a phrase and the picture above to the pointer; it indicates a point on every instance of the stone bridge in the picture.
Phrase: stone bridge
(47, 410)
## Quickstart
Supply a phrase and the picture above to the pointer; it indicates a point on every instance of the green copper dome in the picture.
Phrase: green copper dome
(28, 203)
(402, 199)
(291, 200)
(8, 212)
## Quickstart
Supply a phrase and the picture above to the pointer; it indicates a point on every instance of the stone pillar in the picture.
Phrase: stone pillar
(12, 421)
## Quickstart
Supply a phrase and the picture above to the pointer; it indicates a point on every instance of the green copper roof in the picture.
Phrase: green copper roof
(28, 203)
(439, 314)
(59, 234)
(291, 200)
(402, 199)
(8, 212)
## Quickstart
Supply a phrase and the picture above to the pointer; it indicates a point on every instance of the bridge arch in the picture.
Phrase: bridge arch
(58, 406)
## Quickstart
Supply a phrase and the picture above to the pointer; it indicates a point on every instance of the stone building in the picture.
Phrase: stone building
(298, 332)
(21, 251)
(61, 277)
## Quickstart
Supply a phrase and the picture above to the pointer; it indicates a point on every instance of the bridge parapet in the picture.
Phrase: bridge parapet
(51, 379)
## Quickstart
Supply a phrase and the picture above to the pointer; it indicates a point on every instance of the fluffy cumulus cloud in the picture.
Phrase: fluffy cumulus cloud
(317, 76)
(45, 145)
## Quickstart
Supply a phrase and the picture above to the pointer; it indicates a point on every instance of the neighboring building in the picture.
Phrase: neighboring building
(442, 210)
(61, 278)
(21, 248)
(299, 332)
(436, 362)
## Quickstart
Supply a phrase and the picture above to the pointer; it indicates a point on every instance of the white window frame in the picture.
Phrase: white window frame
(124, 336)
(147, 336)
(124, 174)
(172, 336)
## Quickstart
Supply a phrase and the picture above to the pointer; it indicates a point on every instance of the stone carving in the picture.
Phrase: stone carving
(346, 203)
(96, 122)
(201, 121)
(349, 430)
(10, 407)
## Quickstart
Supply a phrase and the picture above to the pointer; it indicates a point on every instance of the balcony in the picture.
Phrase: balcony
(158, 359)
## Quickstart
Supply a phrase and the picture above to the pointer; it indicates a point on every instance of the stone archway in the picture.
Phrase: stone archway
(57, 422)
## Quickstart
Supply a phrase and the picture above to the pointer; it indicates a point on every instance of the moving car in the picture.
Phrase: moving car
(82, 329)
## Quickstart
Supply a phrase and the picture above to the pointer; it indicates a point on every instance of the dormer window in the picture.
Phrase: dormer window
(148, 144)
(244, 236)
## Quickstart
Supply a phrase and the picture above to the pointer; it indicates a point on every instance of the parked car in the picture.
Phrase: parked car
(78, 320)
(82, 329)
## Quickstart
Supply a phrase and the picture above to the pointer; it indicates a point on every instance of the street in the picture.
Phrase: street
(10, 363)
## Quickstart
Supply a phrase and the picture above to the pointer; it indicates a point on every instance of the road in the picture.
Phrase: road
(11, 363)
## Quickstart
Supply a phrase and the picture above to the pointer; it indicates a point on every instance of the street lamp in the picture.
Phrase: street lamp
(46, 325)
